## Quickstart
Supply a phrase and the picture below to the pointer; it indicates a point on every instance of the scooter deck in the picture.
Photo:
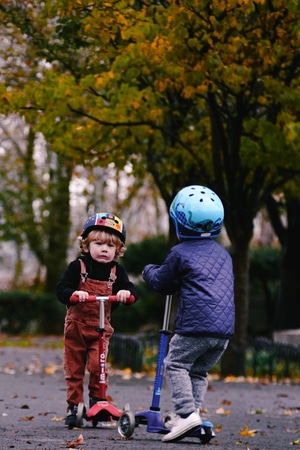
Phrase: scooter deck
(103, 411)
(155, 424)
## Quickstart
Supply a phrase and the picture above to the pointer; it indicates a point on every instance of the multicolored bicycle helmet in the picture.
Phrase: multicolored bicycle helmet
(197, 212)
(103, 221)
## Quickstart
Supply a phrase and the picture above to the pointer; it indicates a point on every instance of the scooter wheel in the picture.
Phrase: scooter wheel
(126, 424)
(206, 434)
(80, 414)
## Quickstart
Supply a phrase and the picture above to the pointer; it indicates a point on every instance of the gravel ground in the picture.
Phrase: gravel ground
(245, 415)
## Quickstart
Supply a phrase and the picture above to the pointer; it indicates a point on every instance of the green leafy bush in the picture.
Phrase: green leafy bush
(149, 251)
(24, 311)
(149, 309)
(146, 313)
(264, 280)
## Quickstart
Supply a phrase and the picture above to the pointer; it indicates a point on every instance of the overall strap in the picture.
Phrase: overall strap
(83, 272)
(112, 277)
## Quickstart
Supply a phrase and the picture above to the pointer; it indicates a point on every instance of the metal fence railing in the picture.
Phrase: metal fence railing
(126, 351)
(274, 358)
(265, 356)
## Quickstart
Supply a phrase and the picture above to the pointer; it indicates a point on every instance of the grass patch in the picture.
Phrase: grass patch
(32, 341)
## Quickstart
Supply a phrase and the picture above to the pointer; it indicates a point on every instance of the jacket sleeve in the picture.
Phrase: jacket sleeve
(68, 283)
(164, 278)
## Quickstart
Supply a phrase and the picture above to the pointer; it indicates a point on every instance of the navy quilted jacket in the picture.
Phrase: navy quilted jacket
(200, 272)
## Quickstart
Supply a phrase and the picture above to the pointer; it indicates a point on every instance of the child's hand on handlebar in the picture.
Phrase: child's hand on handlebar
(123, 295)
(82, 295)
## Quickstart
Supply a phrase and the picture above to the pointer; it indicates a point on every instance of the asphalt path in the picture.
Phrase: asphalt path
(246, 415)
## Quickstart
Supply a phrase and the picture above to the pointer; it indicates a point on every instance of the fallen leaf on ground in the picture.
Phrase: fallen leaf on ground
(51, 369)
(73, 444)
(127, 373)
(27, 418)
(226, 402)
(256, 411)
(247, 432)
(222, 411)
(297, 442)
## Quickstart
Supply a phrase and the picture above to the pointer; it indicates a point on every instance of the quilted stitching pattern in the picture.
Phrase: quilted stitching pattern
(201, 273)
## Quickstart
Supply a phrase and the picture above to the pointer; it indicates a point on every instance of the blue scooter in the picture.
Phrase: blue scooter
(128, 421)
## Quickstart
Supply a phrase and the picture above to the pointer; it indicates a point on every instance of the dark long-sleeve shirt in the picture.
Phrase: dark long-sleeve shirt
(69, 281)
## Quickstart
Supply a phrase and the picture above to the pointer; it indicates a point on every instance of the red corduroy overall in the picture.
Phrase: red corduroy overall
(81, 340)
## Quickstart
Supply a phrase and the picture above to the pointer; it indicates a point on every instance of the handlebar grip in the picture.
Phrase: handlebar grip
(113, 298)
(75, 298)
(93, 298)
(130, 300)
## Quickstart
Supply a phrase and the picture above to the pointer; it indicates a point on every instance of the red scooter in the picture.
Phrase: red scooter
(102, 411)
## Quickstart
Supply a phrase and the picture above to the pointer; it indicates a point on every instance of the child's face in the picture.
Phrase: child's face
(102, 251)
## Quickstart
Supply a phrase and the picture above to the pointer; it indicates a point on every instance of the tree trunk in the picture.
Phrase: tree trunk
(288, 312)
(234, 359)
(59, 224)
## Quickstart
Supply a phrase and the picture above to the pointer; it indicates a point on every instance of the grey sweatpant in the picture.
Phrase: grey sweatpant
(187, 364)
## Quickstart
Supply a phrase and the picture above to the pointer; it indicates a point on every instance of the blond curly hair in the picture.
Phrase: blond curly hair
(105, 237)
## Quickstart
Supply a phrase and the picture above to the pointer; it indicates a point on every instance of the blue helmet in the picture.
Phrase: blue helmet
(197, 213)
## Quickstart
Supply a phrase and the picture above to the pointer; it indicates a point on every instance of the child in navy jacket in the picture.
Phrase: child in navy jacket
(199, 270)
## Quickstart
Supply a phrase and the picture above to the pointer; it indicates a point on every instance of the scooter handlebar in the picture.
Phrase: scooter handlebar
(94, 298)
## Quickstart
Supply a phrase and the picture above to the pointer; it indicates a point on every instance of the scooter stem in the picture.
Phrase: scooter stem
(163, 345)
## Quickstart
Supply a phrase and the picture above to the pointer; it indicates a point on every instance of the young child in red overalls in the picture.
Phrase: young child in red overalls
(96, 272)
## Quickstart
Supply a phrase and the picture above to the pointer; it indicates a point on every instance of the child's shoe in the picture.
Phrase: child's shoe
(169, 423)
(93, 401)
(71, 417)
(182, 426)
(172, 417)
